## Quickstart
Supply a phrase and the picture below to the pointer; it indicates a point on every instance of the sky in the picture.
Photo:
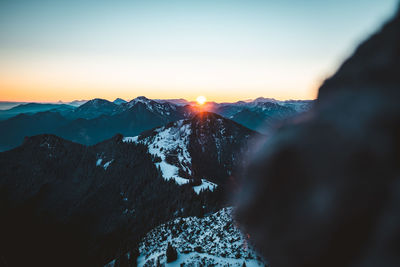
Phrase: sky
(226, 50)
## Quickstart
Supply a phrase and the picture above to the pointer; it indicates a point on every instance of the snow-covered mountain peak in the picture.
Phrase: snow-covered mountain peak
(141, 99)
(180, 149)
(169, 144)
(97, 102)
(133, 102)
(264, 100)
(163, 109)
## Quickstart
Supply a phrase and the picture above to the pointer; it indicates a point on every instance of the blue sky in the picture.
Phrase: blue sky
(225, 50)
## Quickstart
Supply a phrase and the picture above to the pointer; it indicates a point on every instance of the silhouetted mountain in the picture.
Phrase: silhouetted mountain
(31, 108)
(217, 145)
(324, 191)
(15, 129)
(262, 114)
(93, 109)
(66, 204)
(4, 105)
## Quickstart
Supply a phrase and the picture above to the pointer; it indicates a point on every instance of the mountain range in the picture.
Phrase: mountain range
(100, 176)
(102, 199)
(98, 119)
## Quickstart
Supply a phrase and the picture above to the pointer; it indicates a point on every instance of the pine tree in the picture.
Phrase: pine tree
(134, 254)
(172, 255)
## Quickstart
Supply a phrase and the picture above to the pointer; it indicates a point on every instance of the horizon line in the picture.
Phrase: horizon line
(108, 99)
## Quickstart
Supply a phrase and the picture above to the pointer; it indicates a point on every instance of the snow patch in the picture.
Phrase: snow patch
(98, 162)
(105, 165)
(204, 186)
(170, 145)
(130, 139)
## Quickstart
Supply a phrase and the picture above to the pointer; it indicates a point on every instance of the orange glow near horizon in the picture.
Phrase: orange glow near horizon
(57, 78)
(21, 91)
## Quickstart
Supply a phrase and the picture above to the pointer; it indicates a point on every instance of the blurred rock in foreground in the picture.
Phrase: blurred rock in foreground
(325, 189)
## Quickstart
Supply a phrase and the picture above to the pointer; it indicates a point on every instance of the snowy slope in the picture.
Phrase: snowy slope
(170, 141)
(170, 144)
(209, 241)
(203, 150)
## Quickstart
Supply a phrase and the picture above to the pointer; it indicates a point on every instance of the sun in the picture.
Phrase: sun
(201, 100)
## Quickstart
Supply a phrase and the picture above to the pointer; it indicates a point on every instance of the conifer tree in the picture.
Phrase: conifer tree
(172, 255)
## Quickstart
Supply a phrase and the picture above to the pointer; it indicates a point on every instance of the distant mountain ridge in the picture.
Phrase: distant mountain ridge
(262, 114)
(178, 102)
(5, 105)
(92, 109)
(31, 108)
(100, 119)
(119, 101)
(131, 119)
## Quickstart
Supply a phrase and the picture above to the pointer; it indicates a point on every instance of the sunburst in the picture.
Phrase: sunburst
(201, 100)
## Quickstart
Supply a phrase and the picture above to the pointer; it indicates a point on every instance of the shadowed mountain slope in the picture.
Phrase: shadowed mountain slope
(66, 204)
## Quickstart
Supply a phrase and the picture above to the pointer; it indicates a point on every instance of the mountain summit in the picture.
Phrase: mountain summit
(119, 101)
(202, 150)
